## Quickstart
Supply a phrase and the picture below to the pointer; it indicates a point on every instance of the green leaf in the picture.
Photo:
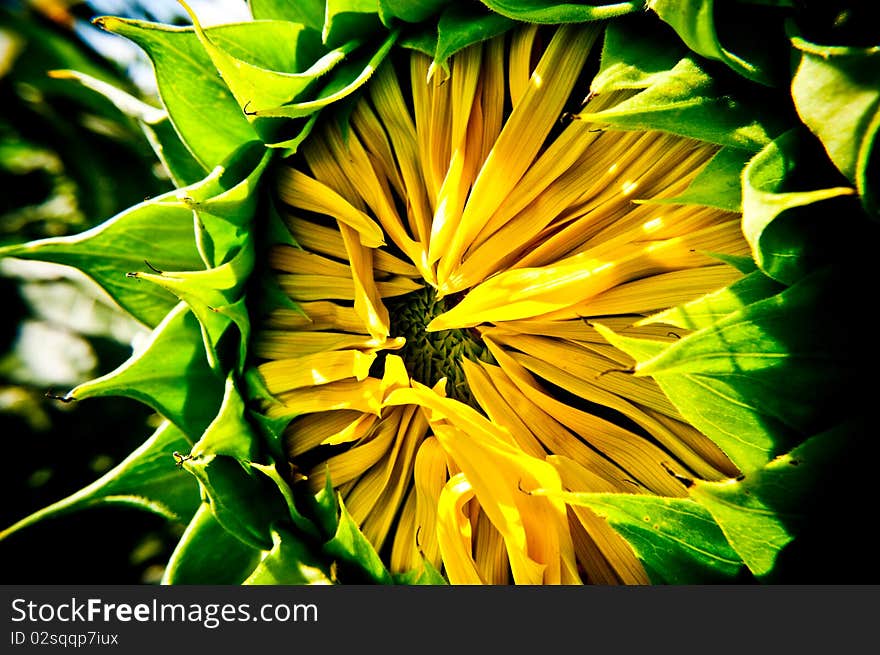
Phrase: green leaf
(690, 102)
(718, 185)
(344, 81)
(307, 12)
(425, 574)
(290, 562)
(549, 11)
(153, 376)
(229, 433)
(786, 217)
(160, 228)
(636, 54)
(345, 20)
(748, 381)
(676, 539)
(300, 522)
(267, 64)
(410, 11)
(208, 554)
(212, 295)
(148, 479)
(462, 25)
(166, 143)
(762, 512)
(351, 546)
(755, 32)
(243, 501)
(189, 87)
(681, 94)
(836, 91)
(710, 308)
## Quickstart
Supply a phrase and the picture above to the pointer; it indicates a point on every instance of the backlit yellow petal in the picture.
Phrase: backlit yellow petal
(311, 370)
(299, 190)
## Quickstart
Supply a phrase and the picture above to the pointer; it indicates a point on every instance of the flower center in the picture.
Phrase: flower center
(431, 356)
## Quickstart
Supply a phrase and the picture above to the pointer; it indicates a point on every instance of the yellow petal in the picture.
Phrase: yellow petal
(367, 301)
(522, 136)
(363, 396)
(315, 369)
(454, 533)
(523, 293)
(430, 475)
(282, 344)
(299, 190)
(326, 428)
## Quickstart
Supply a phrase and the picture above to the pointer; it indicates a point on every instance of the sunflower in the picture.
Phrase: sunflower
(445, 294)
(452, 249)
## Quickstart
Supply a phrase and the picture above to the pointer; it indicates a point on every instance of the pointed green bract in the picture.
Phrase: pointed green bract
(711, 308)
(679, 93)
(229, 434)
(548, 11)
(757, 32)
(241, 498)
(345, 20)
(175, 352)
(350, 545)
(837, 94)
(342, 82)
(308, 12)
(762, 513)
(785, 218)
(718, 185)
(288, 563)
(280, 61)
(190, 89)
(460, 26)
(208, 554)
(676, 539)
(166, 143)
(747, 379)
(159, 229)
(410, 11)
(147, 479)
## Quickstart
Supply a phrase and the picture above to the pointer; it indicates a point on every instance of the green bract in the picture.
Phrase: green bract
(769, 368)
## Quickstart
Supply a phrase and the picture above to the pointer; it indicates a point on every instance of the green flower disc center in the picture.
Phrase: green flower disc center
(431, 356)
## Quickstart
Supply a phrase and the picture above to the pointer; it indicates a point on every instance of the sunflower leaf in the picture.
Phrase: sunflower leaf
(762, 512)
(718, 185)
(785, 215)
(460, 26)
(160, 228)
(550, 11)
(754, 33)
(676, 539)
(306, 12)
(747, 379)
(345, 20)
(147, 478)
(410, 11)
(208, 554)
(351, 546)
(836, 91)
(153, 376)
(289, 562)
(189, 87)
